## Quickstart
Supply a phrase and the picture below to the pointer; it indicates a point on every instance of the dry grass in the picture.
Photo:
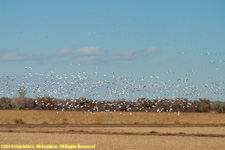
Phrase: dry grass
(74, 117)
(111, 142)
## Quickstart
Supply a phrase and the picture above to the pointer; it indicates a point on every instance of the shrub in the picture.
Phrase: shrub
(5, 103)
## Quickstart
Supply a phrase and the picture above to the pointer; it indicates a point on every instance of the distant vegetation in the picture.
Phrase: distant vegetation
(141, 105)
(22, 92)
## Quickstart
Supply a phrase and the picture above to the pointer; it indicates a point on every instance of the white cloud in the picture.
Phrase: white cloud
(150, 50)
(17, 55)
(65, 51)
(11, 57)
(5, 51)
(85, 51)
(123, 55)
(131, 54)
(86, 55)
(89, 60)
(91, 51)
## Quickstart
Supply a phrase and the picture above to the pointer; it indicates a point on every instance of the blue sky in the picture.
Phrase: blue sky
(148, 37)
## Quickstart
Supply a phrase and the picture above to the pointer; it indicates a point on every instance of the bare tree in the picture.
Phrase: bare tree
(22, 91)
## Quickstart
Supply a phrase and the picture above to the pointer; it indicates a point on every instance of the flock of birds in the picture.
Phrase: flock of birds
(110, 86)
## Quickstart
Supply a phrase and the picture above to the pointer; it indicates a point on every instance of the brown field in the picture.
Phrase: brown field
(113, 130)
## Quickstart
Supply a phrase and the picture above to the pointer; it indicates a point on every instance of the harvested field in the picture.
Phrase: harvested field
(113, 130)
(79, 117)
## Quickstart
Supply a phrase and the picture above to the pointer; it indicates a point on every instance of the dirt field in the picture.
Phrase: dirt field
(112, 130)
